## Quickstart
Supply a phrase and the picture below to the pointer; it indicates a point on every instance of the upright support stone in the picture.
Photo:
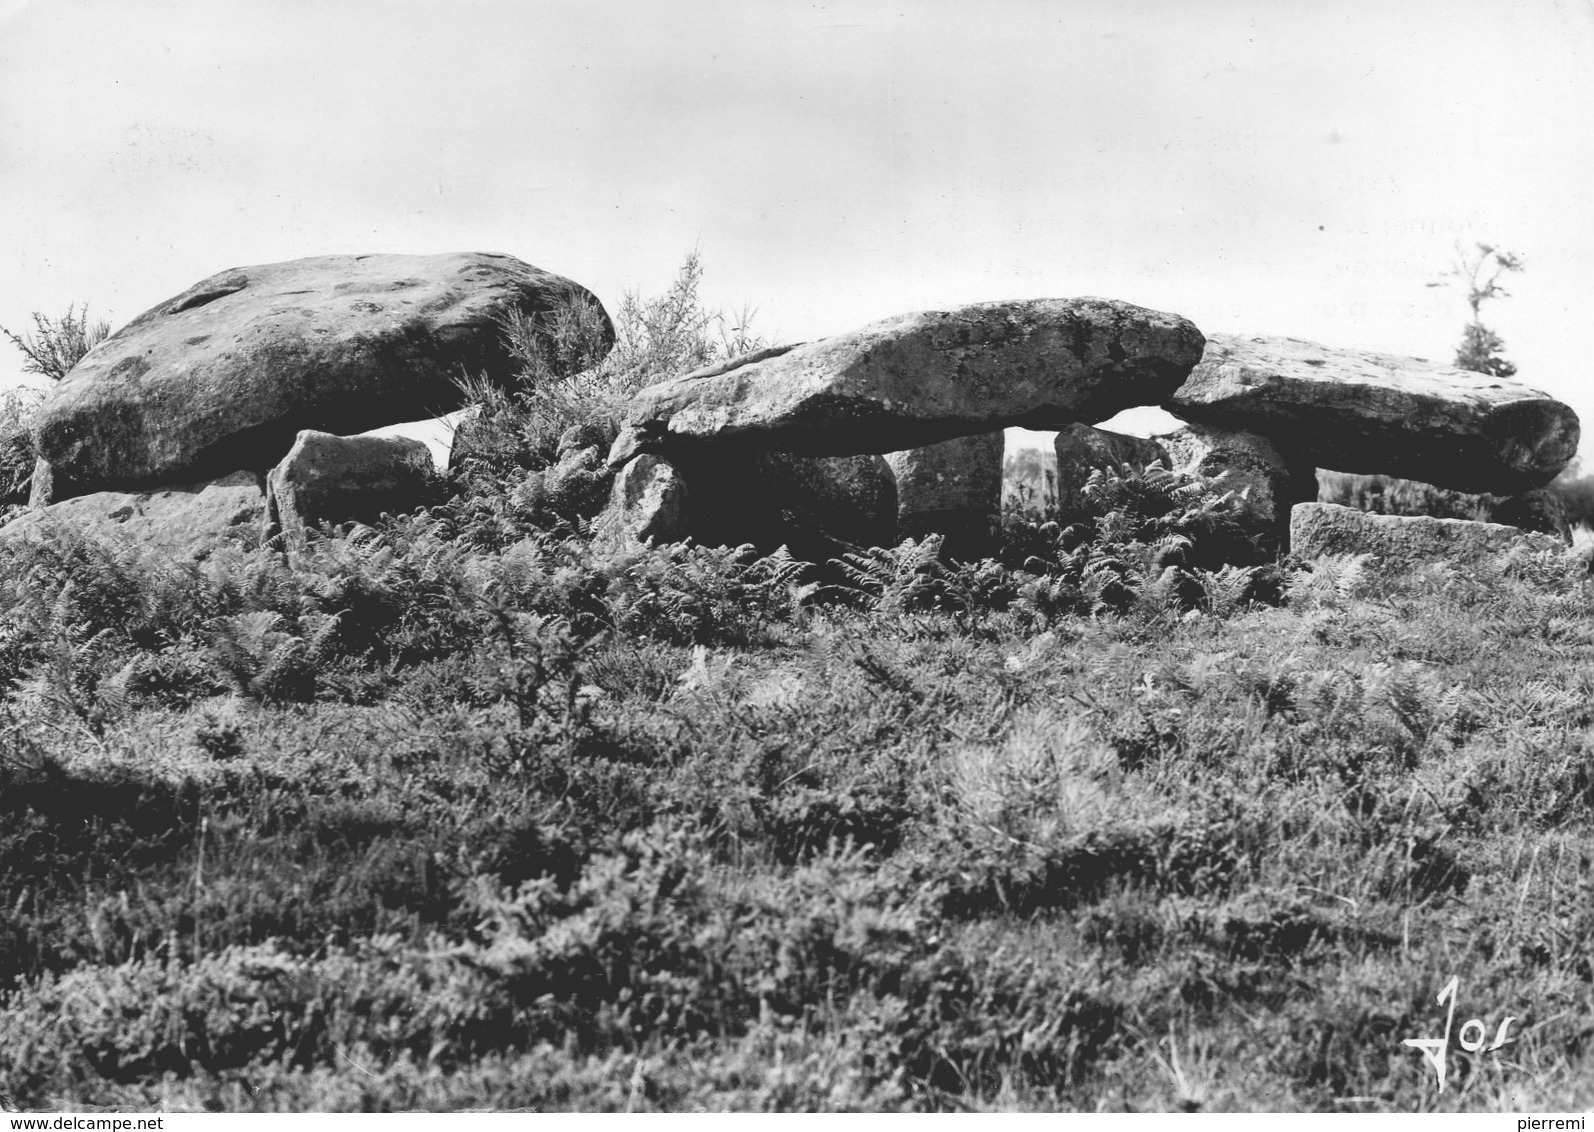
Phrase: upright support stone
(953, 489)
(1082, 450)
(1245, 462)
(1538, 510)
(42, 493)
(819, 506)
(648, 503)
(326, 478)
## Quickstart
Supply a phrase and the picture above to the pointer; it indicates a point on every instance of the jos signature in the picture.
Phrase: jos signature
(1434, 1048)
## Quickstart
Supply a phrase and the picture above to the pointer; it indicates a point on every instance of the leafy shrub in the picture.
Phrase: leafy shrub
(571, 389)
(55, 347)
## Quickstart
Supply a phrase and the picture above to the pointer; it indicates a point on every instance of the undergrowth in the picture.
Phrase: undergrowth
(465, 811)
(445, 820)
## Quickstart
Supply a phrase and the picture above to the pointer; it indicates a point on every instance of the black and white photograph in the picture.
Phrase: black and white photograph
(696, 556)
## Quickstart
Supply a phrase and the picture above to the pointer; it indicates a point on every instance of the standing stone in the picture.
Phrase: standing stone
(1318, 529)
(819, 507)
(1539, 510)
(1243, 462)
(326, 478)
(954, 489)
(1368, 413)
(648, 503)
(919, 379)
(1082, 450)
(225, 375)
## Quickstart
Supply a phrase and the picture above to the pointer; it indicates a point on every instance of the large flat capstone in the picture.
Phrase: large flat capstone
(919, 379)
(225, 375)
(1356, 411)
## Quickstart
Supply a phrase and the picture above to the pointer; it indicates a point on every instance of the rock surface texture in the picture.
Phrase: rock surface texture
(919, 379)
(648, 503)
(1361, 412)
(1317, 529)
(953, 488)
(185, 523)
(223, 376)
(326, 478)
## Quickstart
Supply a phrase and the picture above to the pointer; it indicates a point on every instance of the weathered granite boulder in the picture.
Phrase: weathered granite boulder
(326, 478)
(919, 379)
(1317, 529)
(223, 376)
(186, 523)
(648, 503)
(954, 489)
(1245, 462)
(1082, 450)
(1376, 413)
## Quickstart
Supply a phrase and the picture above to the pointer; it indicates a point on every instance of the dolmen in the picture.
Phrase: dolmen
(202, 397)
(890, 431)
(223, 377)
(901, 388)
(932, 390)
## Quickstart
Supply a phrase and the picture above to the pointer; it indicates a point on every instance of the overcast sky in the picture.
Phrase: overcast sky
(1275, 167)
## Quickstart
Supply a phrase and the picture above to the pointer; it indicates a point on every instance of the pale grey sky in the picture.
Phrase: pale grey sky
(1274, 167)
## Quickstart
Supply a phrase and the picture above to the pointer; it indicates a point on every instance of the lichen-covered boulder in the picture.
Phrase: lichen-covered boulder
(1356, 411)
(336, 479)
(919, 379)
(186, 523)
(1318, 529)
(952, 489)
(225, 375)
(648, 503)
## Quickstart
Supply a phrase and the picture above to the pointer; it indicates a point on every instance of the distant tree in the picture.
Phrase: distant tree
(55, 347)
(1481, 349)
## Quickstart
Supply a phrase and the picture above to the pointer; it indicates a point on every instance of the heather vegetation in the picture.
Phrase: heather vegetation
(467, 809)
